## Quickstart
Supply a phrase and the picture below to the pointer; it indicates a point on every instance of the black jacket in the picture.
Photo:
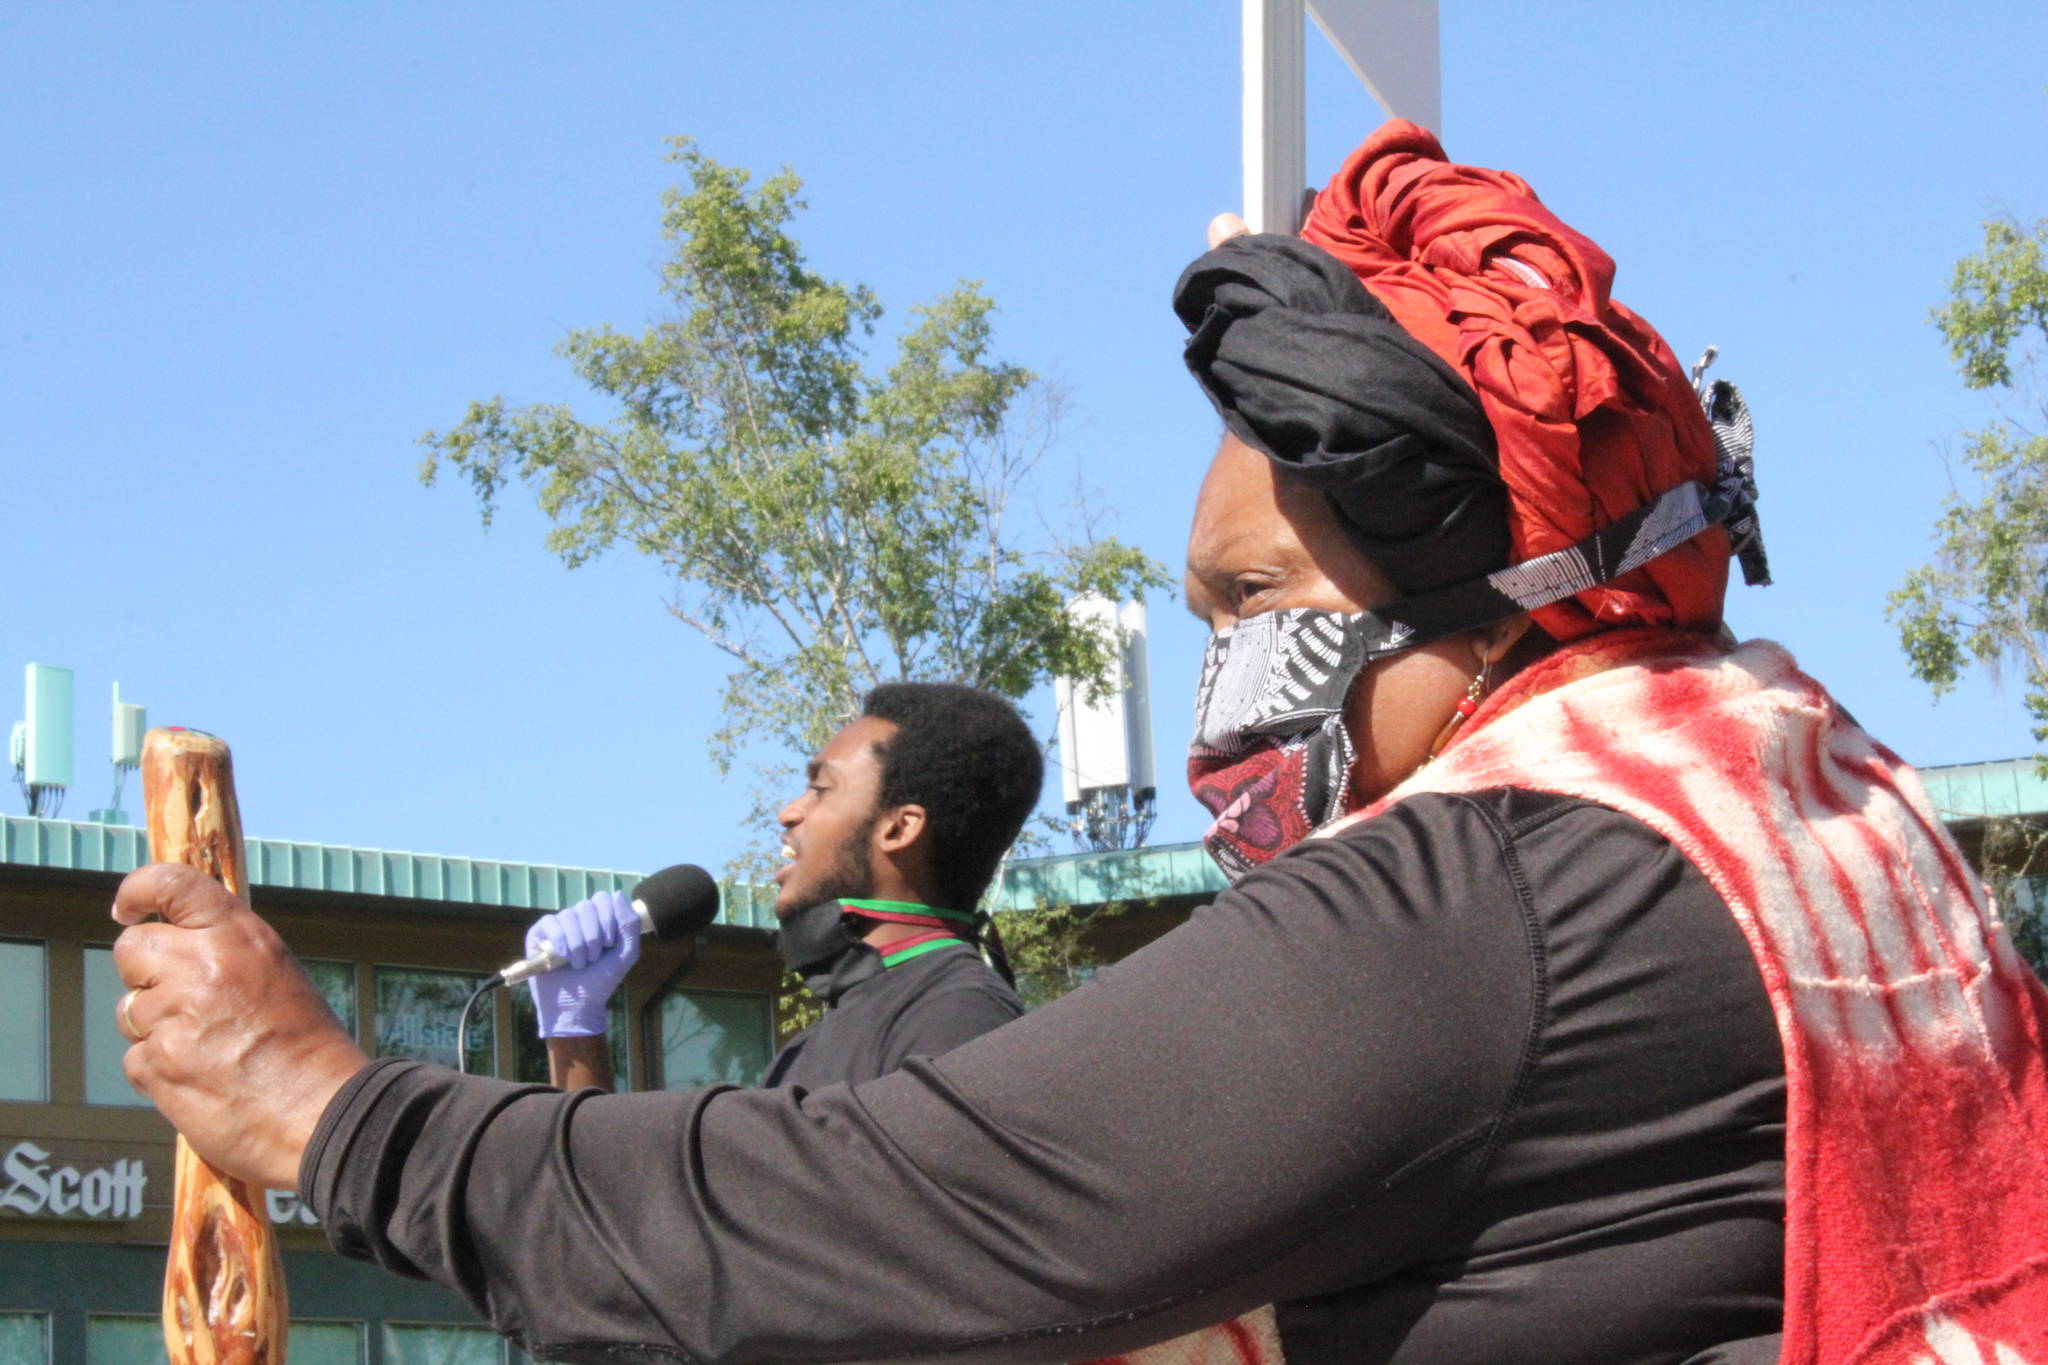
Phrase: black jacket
(925, 1007)
(1487, 1078)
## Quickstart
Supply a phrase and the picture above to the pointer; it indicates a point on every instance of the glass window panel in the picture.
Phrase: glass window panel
(437, 1343)
(337, 981)
(417, 1014)
(105, 1082)
(111, 1340)
(24, 1023)
(24, 1339)
(530, 1050)
(707, 1037)
(326, 1343)
(122, 1340)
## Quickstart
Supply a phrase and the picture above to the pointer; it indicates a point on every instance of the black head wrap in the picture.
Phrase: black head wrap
(1306, 365)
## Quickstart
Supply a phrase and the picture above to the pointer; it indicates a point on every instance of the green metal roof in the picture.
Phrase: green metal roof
(1960, 791)
(359, 871)
(1123, 874)
(1965, 791)
(1973, 791)
(1172, 870)
(1179, 869)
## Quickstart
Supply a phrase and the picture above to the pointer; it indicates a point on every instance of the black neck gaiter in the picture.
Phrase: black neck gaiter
(816, 944)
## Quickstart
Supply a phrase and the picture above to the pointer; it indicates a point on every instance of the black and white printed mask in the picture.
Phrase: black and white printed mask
(1271, 757)
(1275, 676)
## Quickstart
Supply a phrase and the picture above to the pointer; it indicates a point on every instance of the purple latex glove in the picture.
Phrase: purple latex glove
(601, 939)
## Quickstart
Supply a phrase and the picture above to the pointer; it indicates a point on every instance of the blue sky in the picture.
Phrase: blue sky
(249, 253)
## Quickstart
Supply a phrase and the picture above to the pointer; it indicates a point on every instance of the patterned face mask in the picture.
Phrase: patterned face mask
(1271, 759)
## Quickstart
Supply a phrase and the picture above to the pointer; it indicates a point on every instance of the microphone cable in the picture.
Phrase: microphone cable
(491, 983)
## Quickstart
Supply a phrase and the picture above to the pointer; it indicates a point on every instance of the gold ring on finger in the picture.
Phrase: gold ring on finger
(121, 1017)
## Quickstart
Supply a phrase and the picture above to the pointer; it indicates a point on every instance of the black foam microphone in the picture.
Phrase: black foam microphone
(675, 902)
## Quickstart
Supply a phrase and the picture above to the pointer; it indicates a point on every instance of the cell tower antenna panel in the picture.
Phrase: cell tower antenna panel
(1093, 744)
(47, 757)
(41, 745)
(1106, 737)
(131, 722)
(1065, 699)
(1137, 700)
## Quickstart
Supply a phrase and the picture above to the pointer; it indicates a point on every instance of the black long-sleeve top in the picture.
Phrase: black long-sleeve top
(921, 1008)
(1487, 1078)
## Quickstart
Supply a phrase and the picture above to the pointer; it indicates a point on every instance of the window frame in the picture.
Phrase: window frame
(42, 1316)
(44, 1012)
(384, 1326)
(87, 948)
(362, 1326)
(476, 977)
(657, 1052)
(152, 1320)
(354, 1023)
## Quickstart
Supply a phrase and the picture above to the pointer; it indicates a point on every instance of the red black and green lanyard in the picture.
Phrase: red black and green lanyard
(949, 928)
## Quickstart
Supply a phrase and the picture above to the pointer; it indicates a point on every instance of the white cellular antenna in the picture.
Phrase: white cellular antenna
(131, 722)
(1106, 771)
(41, 745)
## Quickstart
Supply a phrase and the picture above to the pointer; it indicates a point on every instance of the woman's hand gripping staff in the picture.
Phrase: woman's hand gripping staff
(231, 1041)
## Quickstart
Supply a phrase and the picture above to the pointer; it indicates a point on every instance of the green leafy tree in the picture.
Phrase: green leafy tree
(828, 524)
(2014, 855)
(1984, 599)
(1049, 950)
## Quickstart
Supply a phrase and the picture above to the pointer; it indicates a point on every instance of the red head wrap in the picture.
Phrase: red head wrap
(1593, 415)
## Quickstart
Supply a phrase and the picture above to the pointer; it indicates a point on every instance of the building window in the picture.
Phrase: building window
(24, 1026)
(124, 1340)
(337, 982)
(105, 1081)
(708, 1037)
(418, 1011)
(25, 1338)
(530, 1050)
(326, 1343)
(439, 1343)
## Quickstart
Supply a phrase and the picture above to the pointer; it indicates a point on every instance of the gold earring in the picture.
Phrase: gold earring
(1467, 704)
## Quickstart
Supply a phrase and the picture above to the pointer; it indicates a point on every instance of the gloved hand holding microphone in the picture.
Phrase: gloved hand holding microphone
(599, 939)
(577, 957)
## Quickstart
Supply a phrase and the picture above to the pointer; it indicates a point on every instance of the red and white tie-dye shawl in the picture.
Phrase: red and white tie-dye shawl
(1916, 1040)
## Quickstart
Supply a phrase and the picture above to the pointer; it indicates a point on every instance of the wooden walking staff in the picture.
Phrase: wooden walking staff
(224, 1300)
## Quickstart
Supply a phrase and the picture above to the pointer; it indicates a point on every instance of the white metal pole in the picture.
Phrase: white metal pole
(1275, 134)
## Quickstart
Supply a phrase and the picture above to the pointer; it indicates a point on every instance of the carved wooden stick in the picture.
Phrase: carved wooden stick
(224, 1298)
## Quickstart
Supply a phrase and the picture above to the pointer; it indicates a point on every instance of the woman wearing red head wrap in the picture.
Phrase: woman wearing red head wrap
(1913, 1038)
(1653, 1019)
(1593, 416)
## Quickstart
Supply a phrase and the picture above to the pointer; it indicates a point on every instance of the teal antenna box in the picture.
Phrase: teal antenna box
(130, 723)
(46, 754)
